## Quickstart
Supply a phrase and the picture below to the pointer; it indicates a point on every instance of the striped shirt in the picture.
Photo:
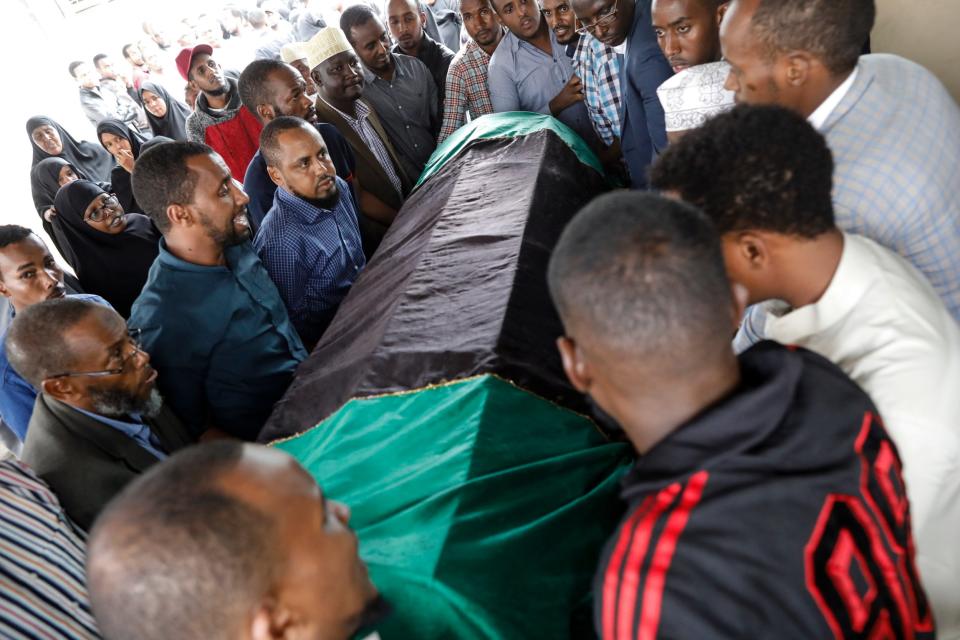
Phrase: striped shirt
(599, 69)
(466, 89)
(361, 125)
(41, 562)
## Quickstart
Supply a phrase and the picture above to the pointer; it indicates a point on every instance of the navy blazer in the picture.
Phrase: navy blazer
(642, 130)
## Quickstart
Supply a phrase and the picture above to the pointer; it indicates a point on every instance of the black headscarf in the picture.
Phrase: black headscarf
(45, 180)
(174, 123)
(119, 177)
(91, 159)
(113, 266)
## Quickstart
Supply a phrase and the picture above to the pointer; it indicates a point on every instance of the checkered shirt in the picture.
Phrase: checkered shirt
(599, 68)
(466, 89)
(313, 255)
(895, 139)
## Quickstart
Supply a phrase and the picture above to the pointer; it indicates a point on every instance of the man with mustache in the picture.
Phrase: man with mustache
(310, 240)
(337, 70)
(212, 320)
(229, 541)
(407, 20)
(270, 89)
(28, 275)
(399, 88)
(99, 420)
(218, 119)
(531, 71)
(466, 84)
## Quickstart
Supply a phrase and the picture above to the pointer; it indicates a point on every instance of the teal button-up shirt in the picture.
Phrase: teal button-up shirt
(220, 339)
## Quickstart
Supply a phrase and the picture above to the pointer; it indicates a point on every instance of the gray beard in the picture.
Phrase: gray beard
(114, 403)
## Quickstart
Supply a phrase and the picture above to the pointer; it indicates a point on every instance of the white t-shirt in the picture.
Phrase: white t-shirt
(884, 325)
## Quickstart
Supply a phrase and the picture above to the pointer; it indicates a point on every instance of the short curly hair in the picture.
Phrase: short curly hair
(754, 167)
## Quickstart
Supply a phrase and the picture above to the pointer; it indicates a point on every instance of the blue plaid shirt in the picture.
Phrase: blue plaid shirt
(313, 255)
(599, 68)
(895, 139)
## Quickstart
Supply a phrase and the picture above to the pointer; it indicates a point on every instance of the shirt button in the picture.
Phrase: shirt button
(399, 106)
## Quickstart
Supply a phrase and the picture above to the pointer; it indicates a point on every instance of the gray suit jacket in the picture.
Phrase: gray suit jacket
(85, 462)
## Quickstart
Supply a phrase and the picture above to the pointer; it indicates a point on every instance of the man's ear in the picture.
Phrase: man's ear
(271, 621)
(265, 112)
(722, 11)
(315, 74)
(179, 215)
(276, 176)
(4, 291)
(753, 250)
(797, 68)
(423, 18)
(577, 370)
(62, 389)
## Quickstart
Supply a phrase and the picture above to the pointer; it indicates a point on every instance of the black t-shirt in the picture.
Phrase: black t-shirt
(779, 512)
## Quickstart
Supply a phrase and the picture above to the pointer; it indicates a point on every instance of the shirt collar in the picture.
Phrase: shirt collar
(844, 292)
(819, 117)
(129, 428)
(362, 110)
(167, 259)
(304, 211)
(369, 76)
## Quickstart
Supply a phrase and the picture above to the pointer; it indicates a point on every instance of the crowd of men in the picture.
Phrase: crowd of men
(769, 310)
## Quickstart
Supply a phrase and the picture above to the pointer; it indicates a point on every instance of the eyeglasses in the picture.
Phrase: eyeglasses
(603, 20)
(133, 337)
(100, 212)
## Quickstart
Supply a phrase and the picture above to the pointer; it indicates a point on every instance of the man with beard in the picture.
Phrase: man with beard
(212, 320)
(399, 88)
(99, 420)
(270, 89)
(466, 86)
(218, 119)
(624, 25)
(227, 541)
(310, 240)
(531, 71)
(407, 20)
(339, 76)
(28, 275)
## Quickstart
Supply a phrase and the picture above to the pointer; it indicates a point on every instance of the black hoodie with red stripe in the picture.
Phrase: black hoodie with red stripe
(778, 512)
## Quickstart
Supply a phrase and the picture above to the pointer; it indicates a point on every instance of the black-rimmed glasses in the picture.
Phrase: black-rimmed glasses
(133, 337)
(603, 20)
(101, 212)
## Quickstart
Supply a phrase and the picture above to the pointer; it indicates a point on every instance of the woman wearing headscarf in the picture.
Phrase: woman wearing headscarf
(167, 115)
(47, 176)
(123, 143)
(50, 140)
(110, 251)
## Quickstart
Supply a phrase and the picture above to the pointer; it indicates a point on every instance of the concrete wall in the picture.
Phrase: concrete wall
(924, 31)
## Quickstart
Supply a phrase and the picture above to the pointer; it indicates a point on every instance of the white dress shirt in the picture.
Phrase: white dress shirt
(884, 325)
(819, 117)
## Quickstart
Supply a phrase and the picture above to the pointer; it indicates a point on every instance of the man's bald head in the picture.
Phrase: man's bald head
(178, 554)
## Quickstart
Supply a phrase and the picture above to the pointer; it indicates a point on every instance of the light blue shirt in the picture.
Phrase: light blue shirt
(136, 431)
(521, 77)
